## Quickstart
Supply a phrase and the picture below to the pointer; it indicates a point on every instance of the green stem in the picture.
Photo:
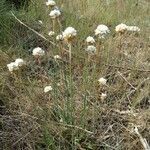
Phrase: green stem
(70, 49)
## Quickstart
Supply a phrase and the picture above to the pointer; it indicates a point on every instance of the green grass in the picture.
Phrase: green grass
(73, 116)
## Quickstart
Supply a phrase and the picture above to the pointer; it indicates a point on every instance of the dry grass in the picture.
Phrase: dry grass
(73, 116)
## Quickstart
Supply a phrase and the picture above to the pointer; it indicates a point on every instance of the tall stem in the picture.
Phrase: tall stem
(60, 25)
(70, 48)
(54, 24)
(72, 104)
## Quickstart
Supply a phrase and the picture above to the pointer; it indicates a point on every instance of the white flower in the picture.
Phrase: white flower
(19, 62)
(59, 37)
(51, 33)
(102, 81)
(102, 30)
(55, 13)
(91, 49)
(61, 120)
(90, 39)
(69, 32)
(103, 96)
(47, 89)
(121, 28)
(50, 3)
(58, 84)
(40, 21)
(12, 66)
(38, 51)
(57, 57)
(133, 29)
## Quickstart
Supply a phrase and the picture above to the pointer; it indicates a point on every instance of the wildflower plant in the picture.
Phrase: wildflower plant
(68, 35)
(76, 110)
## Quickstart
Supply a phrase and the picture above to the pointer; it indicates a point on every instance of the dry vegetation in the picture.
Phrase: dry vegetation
(73, 116)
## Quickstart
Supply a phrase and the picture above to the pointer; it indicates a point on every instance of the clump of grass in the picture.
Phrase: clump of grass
(72, 114)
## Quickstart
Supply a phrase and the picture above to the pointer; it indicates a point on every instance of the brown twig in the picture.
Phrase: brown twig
(126, 80)
(76, 127)
(128, 68)
(40, 35)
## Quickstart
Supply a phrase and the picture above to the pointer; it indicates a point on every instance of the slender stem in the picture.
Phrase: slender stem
(89, 56)
(54, 24)
(70, 50)
(72, 104)
(60, 25)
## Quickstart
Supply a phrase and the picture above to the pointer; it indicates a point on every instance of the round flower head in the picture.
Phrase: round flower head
(50, 3)
(55, 13)
(19, 62)
(103, 96)
(133, 29)
(102, 30)
(102, 81)
(59, 37)
(121, 28)
(69, 33)
(38, 52)
(57, 57)
(47, 89)
(90, 40)
(12, 66)
(51, 33)
(91, 49)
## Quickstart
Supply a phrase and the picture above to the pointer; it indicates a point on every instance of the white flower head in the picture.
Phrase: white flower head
(59, 37)
(51, 33)
(38, 52)
(90, 40)
(61, 120)
(69, 33)
(48, 89)
(102, 30)
(50, 3)
(57, 57)
(91, 49)
(58, 84)
(55, 13)
(12, 66)
(103, 96)
(121, 28)
(40, 21)
(102, 81)
(133, 29)
(19, 62)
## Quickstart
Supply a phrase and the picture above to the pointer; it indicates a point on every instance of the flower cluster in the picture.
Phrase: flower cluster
(102, 81)
(51, 33)
(69, 33)
(103, 96)
(59, 37)
(38, 52)
(48, 89)
(91, 49)
(121, 28)
(50, 3)
(133, 29)
(57, 57)
(15, 65)
(90, 40)
(101, 31)
(55, 13)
